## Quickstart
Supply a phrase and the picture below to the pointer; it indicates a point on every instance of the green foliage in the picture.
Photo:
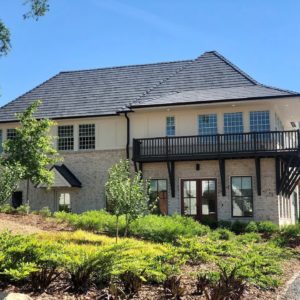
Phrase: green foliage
(267, 227)
(289, 236)
(10, 176)
(6, 209)
(166, 228)
(238, 227)
(251, 227)
(4, 39)
(44, 212)
(173, 287)
(23, 209)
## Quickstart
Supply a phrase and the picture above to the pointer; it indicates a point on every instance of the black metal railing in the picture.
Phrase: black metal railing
(181, 147)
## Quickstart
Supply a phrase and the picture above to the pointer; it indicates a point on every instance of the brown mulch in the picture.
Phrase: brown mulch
(30, 224)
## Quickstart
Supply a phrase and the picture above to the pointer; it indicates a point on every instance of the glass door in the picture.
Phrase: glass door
(199, 199)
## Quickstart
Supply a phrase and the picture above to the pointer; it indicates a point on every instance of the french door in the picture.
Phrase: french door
(199, 199)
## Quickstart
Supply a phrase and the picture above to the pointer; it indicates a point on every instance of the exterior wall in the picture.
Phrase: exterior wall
(91, 169)
(266, 206)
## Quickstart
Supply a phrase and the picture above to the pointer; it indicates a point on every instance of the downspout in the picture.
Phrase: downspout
(128, 135)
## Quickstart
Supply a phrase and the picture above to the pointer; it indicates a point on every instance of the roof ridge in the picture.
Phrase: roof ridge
(163, 81)
(278, 89)
(235, 67)
(128, 66)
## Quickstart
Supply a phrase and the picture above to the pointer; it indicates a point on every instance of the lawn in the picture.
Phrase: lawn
(162, 257)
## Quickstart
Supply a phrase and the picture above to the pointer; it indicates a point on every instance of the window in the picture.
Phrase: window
(190, 197)
(66, 137)
(87, 136)
(207, 124)
(170, 129)
(259, 121)
(233, 122)
(1, 141)
(11, 133)
(64, 202)
(242, 196)
(159, 192)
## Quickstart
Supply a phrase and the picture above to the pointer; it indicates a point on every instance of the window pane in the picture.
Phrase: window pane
(87, 136)
(159, 195)
(65, 137)
(242, 196)
(207, 124)
(170, 126)
(259, 121)
(208, 197)
(162, 185)
(153, 185)
(11, 133)
(233, 122)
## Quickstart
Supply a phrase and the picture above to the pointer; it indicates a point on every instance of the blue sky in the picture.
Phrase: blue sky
(261, 37)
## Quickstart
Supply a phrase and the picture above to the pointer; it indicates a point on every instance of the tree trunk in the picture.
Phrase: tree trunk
(117, 229)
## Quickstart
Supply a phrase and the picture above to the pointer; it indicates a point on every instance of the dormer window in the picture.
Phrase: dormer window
(170, 126)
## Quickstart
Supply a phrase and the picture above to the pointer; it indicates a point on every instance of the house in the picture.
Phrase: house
(215, 143)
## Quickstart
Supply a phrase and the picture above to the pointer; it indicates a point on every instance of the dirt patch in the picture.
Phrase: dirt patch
(29, 224)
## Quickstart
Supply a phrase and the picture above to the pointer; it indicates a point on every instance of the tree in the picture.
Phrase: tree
(38, 8)
(32, 149)
(126, 194)
(10, 177)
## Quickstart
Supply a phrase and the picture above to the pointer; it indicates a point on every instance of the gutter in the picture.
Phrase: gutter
(128, 135)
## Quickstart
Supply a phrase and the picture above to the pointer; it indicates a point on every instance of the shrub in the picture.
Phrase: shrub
(166, 228)
(173, 287)
(6, 209)
(251, 237)
(289, 236)
(23, 209)
(221, 234)
(251, 227)
(132, 283)
(44, 212)
(224, 224)
(267, 228)
(238, 227)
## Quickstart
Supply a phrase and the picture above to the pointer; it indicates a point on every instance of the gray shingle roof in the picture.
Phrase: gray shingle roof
(67, 175)
(108, 91)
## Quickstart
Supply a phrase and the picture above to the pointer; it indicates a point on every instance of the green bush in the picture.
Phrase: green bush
(224, 224)
(267, 227)
(251, 227)
(23, 209)
(44, 212)
(166, 228)
(221, 234)
(239, 227)
(289, 236)
(6, 209)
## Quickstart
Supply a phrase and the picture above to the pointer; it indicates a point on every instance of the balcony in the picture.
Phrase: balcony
(252, 144)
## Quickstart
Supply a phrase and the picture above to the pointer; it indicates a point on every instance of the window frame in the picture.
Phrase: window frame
(251, 113)
(69, 140)
(87, 137)
(69, 206)
(214, 118)
(252, 198)
(230, 127)
(170, 126)
(157, 191)
(11, 130)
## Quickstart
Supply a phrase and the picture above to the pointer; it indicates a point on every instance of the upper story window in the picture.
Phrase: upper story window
(170, 126)
(11, 133)
(278, 123)
(65, 137)
(207, 124)
(87, 138)
(1, 141)
(259, 121)
(233, 122)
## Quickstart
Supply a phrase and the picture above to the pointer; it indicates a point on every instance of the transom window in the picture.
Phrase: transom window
(233, 122)
(66, 137)
(87, 138)
(64, 202)
(242, 196)
(1, 141)
(259, 121)
(159, 194)
(170, 126)
(11, 133)
(207, 124)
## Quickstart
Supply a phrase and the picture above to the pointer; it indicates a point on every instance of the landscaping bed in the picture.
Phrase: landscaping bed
(77, 248)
